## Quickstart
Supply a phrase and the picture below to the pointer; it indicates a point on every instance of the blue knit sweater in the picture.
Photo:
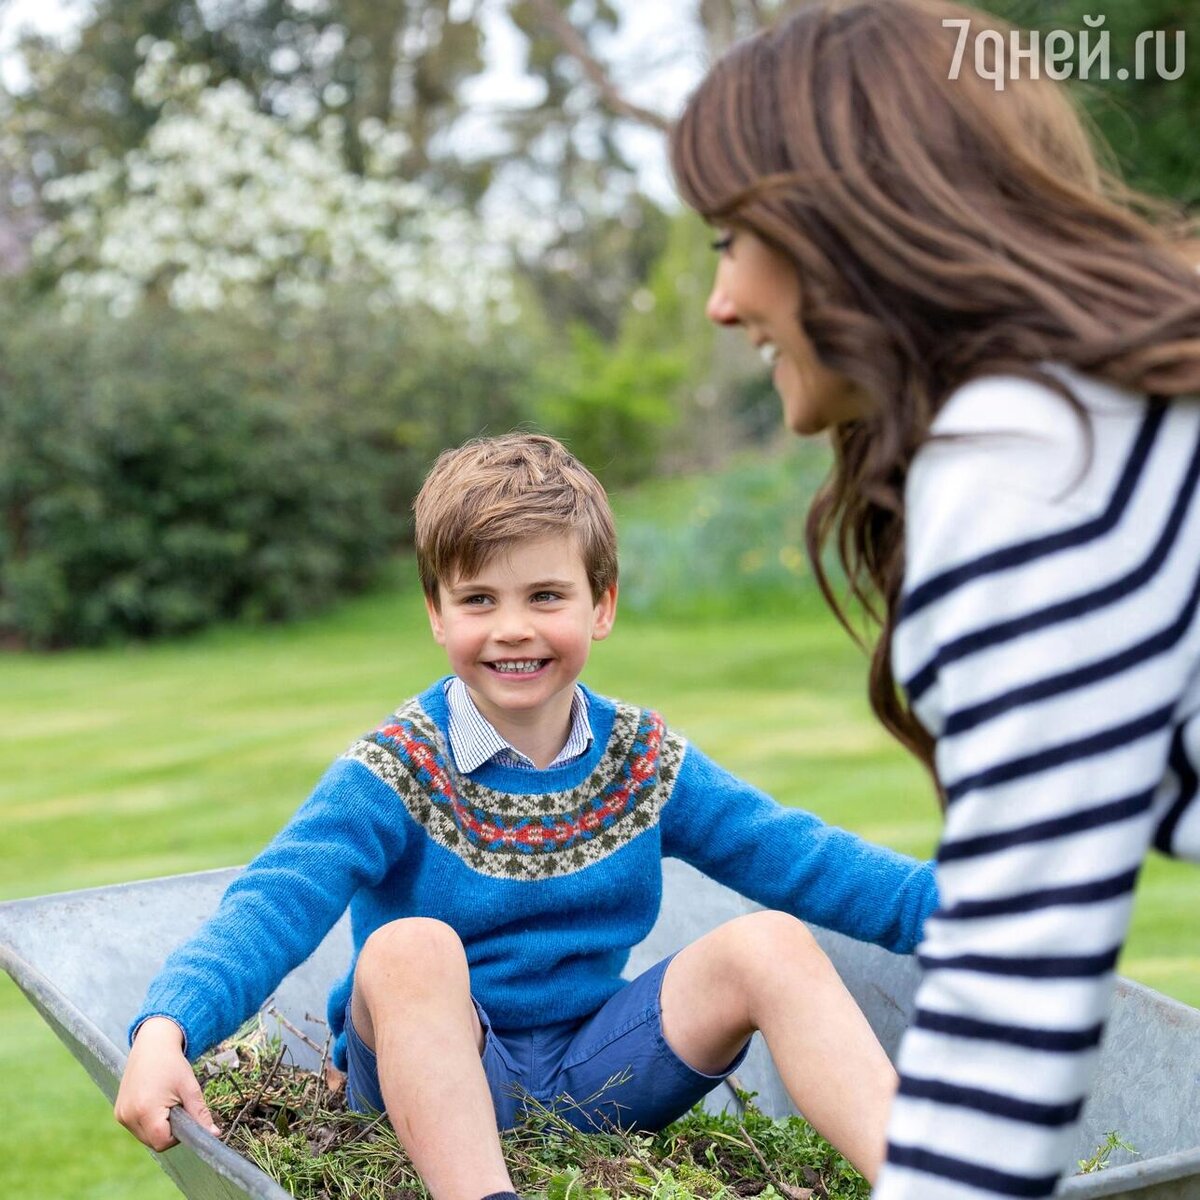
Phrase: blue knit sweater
(549, 877)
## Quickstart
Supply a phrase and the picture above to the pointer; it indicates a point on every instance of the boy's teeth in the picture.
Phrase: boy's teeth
(769, 352)
(517, 666)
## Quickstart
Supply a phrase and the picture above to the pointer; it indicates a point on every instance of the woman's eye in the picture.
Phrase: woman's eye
(721, 244)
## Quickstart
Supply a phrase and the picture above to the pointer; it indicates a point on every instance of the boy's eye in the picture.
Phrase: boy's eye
(545, 597)
(722, 243)
(475, 601)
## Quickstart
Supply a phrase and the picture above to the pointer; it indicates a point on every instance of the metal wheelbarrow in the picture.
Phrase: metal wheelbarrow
(84, 959)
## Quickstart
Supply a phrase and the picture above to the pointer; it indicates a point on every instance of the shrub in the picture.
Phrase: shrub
(157, 475)
(412, 385)
(612, 405)
(722, 544)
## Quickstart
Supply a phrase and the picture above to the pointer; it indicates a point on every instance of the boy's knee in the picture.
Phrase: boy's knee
(768, 937)
(420, 950)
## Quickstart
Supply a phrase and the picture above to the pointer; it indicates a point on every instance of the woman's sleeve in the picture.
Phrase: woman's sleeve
(1038, 641)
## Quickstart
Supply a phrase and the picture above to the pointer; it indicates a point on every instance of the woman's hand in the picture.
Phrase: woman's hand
(157, 1077)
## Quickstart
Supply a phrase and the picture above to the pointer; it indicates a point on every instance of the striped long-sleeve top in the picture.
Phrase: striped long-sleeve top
(1048, 639)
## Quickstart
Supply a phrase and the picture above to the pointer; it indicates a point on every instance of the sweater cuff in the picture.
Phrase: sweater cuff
(144, 1017)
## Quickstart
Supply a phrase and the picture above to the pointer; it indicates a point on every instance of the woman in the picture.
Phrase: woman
(1006, 353)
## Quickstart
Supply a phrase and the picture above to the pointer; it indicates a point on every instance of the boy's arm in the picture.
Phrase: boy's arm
(789, 859)
(158, 1077)
(273, 916)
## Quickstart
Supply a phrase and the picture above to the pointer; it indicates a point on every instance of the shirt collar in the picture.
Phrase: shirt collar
(475, 741)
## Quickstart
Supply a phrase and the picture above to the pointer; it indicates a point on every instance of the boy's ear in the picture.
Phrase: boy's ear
(435, 620)
(605, 613)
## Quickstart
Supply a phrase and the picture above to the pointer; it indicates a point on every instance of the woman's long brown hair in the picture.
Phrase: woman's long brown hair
(941, 229)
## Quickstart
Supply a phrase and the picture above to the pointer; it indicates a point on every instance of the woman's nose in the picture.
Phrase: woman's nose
(719, 308)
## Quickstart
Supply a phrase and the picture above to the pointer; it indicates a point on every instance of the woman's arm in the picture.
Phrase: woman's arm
(1042, 643)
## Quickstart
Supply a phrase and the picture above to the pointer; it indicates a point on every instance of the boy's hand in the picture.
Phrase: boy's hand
(157, 1077)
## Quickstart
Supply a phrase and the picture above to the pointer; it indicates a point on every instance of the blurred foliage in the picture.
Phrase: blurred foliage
(610, 405)
(169, 470)
(164, 472)
(724, 388)
(565, 138)
(1150, 123)
(401, 64)
(151, 483)
(593, 260)
(725, 544)
(222, 205)
(417, 386)
(568, 166)
(649, 398)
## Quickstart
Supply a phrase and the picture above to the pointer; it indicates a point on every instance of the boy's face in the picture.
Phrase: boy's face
(519, 630)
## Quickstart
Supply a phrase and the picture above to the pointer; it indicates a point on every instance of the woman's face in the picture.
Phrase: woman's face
(756, 287)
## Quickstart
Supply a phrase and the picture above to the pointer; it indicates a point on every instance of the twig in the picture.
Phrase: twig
(237, 1087)
(734, 1084)
(292, 1029)
(320, 1096)
(258, 1095)
(572, 41)
(784, 1189)
(651, 1170)
(360, 1134)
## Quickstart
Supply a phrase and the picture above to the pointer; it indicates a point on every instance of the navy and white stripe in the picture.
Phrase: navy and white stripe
(474, 740)
(1049, 639)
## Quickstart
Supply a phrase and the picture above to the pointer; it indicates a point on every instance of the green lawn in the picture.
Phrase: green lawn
(130, 763)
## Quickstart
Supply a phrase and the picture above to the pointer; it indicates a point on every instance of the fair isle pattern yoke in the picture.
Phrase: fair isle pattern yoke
(526, 837)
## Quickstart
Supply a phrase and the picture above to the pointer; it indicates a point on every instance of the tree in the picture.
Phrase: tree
(223, 204)
(1149, 122)
(401, 64)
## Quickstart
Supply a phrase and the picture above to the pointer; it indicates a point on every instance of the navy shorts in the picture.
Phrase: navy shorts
(569, 1067)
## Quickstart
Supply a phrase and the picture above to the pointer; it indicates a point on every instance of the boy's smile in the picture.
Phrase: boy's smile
(517, 632)
(517, 666)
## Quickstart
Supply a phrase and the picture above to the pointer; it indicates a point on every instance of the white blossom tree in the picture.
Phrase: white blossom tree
(225, 205)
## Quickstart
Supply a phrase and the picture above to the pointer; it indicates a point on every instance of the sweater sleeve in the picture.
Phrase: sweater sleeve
(1033, 643)
(789, 859)
(274, 915)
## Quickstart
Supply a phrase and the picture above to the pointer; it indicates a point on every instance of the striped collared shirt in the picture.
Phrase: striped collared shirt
(474, 740)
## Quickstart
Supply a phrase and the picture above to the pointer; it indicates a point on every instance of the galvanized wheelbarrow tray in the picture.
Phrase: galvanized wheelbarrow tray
(84, 959)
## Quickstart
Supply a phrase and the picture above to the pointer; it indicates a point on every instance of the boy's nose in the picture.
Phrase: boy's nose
(719, 308)
(512, 627)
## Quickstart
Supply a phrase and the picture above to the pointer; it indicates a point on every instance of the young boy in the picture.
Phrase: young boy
(499, 842)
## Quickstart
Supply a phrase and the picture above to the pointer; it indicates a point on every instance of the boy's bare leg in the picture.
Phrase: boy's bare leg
(766, 972)
(412, 1005)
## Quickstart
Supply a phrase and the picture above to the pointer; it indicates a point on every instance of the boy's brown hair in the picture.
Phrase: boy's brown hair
(491, 493)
